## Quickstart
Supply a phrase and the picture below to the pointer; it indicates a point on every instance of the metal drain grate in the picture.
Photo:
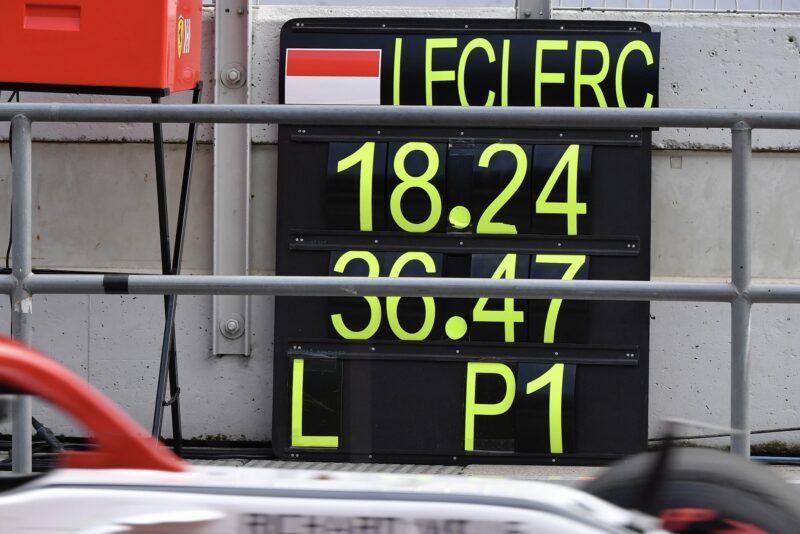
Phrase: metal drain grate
(226, 463)
(360, 468)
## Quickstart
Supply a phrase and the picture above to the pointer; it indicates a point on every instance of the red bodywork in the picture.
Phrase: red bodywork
(143, 44)
(120, 443)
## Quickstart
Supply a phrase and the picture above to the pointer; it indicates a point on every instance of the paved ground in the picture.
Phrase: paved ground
(561, 474)
(576, 474)
(570, 475)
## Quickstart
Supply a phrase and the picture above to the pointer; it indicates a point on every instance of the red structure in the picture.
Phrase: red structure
(120, 443)
(149, 44)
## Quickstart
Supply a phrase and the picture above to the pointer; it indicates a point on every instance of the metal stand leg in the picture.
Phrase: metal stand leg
(169, 364)
(166, 268)
(177, 257)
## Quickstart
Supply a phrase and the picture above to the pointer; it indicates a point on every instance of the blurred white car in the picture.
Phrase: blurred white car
(128, 482)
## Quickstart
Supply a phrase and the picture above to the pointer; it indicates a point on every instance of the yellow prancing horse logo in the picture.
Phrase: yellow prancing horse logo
(184, 35)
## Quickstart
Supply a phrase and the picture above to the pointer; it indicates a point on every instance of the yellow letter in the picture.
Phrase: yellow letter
(473, 408)
(546, 77)
(436, 75)
(462, 65)
(398, 50)
(642, 47)
(592, 80)
(298, 439)
(504, 73)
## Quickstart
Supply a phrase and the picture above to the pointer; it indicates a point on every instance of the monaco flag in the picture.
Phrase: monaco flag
(332, 76)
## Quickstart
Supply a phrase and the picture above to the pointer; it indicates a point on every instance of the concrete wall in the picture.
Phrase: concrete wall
(94, 201)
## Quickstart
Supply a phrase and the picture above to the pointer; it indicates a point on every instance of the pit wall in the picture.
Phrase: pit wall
(94, 209)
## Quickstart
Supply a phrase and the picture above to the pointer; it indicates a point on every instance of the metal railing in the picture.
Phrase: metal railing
(741, 292)
(683, 6)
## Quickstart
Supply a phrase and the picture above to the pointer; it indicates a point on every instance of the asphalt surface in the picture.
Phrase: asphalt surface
(559, 474)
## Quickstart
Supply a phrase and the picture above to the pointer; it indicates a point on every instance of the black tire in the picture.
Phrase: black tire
(705, 491)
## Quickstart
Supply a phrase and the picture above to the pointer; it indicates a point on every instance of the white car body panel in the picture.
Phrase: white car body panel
(262, 501)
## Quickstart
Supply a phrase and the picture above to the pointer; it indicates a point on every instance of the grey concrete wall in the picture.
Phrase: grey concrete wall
(95, 210)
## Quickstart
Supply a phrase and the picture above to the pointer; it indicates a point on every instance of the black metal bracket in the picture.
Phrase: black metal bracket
(171, 264)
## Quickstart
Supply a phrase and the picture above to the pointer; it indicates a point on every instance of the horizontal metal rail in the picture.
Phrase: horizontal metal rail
(730, 11)
(7, 284)
(754, 7)
(497, 117)
(333, 286)
(774, 293)
(328, 286)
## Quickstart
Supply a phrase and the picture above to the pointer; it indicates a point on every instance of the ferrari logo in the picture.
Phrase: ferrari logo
(184, 35)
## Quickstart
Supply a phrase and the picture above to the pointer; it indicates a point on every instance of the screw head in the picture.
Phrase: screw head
(234, 75)
(232, 326)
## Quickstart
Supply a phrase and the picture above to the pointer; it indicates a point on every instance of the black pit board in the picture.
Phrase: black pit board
(463, 380)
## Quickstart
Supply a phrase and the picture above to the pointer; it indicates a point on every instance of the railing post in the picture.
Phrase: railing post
(741, 239)
(21, 327)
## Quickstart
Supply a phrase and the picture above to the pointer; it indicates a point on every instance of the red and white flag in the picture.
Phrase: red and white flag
(332, 76)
